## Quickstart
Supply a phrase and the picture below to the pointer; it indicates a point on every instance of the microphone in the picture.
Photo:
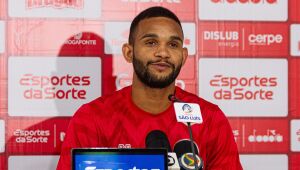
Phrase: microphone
(187, 113)
(158, 139)
(184, 153)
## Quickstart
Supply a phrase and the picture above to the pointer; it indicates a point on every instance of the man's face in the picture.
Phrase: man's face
(158, 52)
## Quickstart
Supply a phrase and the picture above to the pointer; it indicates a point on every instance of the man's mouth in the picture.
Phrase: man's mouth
(161, 66)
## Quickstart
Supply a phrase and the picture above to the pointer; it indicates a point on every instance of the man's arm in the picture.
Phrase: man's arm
(81, 132)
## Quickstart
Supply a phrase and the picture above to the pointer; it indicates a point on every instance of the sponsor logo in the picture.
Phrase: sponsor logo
(295, 135)
(295, 40)
(63, 43)
(244, 1)
(76, 4)
(2, 136)
(264, 161)
(236, 134)
(261, 135)
(221, 35)
(31, 136)
(155, 1)
(2, 35)
(188, 112)
(238, 87)
(265, 10)
(270, 136)
(62, 136)
(54, 8)
(39, 135)
(30, 162)
(125, 10)
(187, 161)
(271, 39)
(222, 38)
(258, 92)
(126, 145)
(52, 85)
(78, 40)
(189, 31)
(265, 39)
(186, 108)
(117, 33)
(134, 168)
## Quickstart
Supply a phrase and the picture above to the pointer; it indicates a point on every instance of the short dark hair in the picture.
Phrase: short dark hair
(156, 11)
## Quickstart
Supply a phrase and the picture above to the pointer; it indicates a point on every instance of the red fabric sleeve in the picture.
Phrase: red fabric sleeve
(81, 133)
(222, 153)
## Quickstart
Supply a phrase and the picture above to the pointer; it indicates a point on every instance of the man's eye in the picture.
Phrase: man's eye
(150, 43)
(174, 45)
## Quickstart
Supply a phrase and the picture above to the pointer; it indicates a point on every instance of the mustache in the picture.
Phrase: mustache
(160, 61)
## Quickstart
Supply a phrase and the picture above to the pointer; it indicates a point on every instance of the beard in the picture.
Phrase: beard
(151, 79)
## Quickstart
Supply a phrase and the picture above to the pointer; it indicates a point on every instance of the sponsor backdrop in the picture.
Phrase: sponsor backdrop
(56, 55)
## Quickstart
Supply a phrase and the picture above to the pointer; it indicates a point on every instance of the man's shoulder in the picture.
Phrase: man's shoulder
(106, 101)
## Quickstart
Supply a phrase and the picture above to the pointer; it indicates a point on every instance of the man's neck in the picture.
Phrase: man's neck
(152, 100)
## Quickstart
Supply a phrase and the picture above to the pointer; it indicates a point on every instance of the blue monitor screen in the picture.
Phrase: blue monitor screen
(116, 160)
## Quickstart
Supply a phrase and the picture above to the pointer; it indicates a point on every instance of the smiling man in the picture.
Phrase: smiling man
(156, 51)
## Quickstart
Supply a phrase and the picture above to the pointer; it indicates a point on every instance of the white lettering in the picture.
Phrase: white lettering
(245, 1)
(265, 39)
(220, 35)
(155, 1)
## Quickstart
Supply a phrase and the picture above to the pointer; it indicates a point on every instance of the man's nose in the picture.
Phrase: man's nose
(162, 51)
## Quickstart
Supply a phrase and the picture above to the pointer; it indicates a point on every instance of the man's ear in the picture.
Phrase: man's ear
(185, 55)
(127, 51)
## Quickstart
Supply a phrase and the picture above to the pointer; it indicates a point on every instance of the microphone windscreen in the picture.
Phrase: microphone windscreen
(157, 139)
(184, 146)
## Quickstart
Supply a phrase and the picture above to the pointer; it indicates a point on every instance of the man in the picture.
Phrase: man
(156, 51)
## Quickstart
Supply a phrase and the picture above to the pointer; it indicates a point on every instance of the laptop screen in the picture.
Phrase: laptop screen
(119, 159)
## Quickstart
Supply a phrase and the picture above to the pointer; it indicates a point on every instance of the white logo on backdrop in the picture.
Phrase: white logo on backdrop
(223, 38)
(31, 136)
(295, 135)
(79, 40)
(52, 86)
(295, 39)
(264, 161)
(265, 10)
(257, 86)
(239, 38)
(189, 31)
(117, 33)
(265, 39)
(2, 136)
(156, 1)
(54, 9)
(2, 35)
(30, 162)
(271, 136)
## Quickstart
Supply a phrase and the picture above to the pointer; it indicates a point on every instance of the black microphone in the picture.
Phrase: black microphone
(172, 98)
(158, 139)
(183, 146)
(185, 155)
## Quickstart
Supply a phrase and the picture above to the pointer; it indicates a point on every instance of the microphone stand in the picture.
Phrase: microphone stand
(192, 145)
(174, 99)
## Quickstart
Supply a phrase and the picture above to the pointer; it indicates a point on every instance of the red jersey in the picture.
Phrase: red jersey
(115, 121)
